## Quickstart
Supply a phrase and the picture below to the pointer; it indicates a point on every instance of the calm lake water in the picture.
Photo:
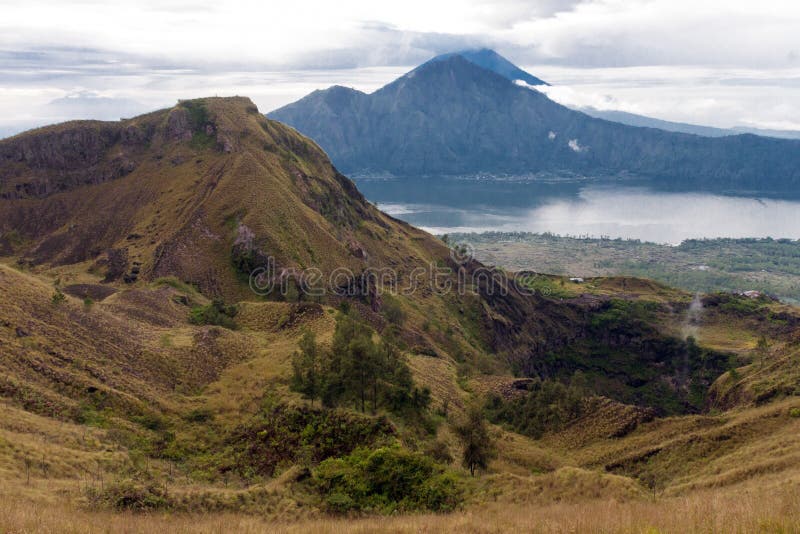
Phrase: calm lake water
(447, 205)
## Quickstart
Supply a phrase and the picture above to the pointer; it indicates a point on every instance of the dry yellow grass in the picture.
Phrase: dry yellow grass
(692, 452)
(51, 448)
(438, 374)
(723, 512)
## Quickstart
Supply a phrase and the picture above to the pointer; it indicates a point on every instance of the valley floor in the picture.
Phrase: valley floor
(766, 265)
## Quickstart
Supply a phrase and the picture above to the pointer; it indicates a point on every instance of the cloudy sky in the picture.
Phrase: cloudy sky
(718, 62)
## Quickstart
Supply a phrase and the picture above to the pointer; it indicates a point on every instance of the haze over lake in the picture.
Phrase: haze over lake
(442, 205)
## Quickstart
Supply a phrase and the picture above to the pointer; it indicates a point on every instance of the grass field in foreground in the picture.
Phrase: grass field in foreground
(711, 511)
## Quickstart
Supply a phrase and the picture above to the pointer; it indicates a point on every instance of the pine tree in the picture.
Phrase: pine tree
(478, 446)
(306, 368)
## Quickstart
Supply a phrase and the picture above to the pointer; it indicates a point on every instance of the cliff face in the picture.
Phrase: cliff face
(59, 158)
(38, 165)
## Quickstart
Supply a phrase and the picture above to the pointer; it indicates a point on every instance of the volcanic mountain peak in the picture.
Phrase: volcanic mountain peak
(452, 116)
(491, 60)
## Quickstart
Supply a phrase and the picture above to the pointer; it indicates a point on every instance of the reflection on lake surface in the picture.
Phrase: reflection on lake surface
(577, 209)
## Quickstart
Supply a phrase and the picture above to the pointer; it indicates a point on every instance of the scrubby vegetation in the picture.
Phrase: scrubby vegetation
(546, 406)
(282, 435)
(127, 495)
(387, 480)
(58, 297)
(625, 357)
(357, 371)
(215, 313)
(478, 446)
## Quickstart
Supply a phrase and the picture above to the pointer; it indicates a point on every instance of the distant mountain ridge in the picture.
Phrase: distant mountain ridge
(452, 116)
(633, 119)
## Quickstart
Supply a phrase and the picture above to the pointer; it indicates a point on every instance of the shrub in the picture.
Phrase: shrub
(439, 451)
(385, 480)
(216, 313)
(151, 421)
(339, 503)
(58, 297)
(393, 311)
(794, 412)
(301, 434)
(547, 406)
(479, 447)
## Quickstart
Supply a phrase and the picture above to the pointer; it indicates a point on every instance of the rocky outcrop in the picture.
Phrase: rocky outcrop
(245, 253)
(60, 158)
(67, 149)
(178, 127)
(37, 165)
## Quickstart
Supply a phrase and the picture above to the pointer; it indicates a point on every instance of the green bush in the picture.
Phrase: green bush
(216, 313)
(547, 406)
(439, 451)
(385, 480)
(151, 421)
(291, 434)
(393, 311)
(794, 412)
(339, 503)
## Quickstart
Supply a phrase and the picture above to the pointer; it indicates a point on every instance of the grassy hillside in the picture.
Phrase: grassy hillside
(141, 373)
(195, 181)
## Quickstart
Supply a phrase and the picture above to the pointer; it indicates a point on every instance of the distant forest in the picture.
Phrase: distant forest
(763, 264)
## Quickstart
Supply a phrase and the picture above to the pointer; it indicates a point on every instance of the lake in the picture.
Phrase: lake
(579, 208)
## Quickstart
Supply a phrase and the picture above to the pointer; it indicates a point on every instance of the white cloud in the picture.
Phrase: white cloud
(576, 146)
(723, 97)
(363, 33)
(156, 51)
(666, 32)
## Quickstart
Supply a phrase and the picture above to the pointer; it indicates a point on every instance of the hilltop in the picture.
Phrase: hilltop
(456, 115)
(179, 192)
(141, 371)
